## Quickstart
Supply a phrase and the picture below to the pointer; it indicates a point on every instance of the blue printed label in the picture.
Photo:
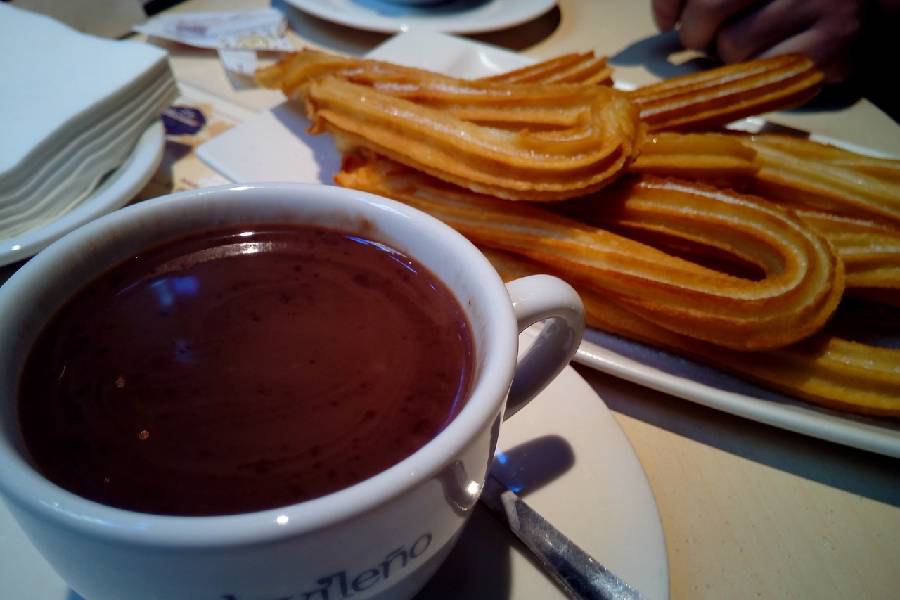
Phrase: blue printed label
(346, 584)
(183, 120)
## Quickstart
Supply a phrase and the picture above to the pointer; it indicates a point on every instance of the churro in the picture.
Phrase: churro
(507, 104)
(825, 369)
(579, 137)
(708, 157)
(540, 166)
(649, 231)
(805, 174)
(714, 97)
(801, 284)
(869, 250)
(576, 67)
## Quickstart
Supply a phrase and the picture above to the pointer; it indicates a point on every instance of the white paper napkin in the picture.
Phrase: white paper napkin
(54, 76)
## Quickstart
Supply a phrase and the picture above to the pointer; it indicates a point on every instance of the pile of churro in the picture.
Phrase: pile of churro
(731, 248)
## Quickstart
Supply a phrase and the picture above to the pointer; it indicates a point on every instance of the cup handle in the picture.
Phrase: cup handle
(538, 298)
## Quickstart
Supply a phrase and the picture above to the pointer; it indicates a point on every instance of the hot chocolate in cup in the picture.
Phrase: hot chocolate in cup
(380, 537)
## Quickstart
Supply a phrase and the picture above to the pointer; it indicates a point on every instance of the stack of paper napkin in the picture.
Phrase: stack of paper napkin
(73, 107)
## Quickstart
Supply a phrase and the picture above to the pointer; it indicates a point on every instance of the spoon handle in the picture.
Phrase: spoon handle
(575, 571)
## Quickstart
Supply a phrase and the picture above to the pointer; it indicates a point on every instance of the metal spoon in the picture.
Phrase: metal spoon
(573, 569)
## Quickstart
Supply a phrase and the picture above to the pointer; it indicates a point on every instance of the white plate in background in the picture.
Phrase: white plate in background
(706, 385)
(450, 16)
(596, 493)
(117, 190)
(275, 146)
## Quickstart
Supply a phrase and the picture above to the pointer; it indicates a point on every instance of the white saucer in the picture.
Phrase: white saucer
(117, 190)
(450, 16)
(601, 500)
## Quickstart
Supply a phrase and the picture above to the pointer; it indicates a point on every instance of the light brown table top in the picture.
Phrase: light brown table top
(748, 510)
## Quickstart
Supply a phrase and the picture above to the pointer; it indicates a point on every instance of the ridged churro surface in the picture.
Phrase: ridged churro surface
(576, 67)
(711, 157)
(869, 250)
(465, 132)
(826, 369)
(805, 174)
(714, 97)
(801, 284)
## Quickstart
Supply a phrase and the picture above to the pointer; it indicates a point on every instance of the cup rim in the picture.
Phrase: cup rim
(29, 490)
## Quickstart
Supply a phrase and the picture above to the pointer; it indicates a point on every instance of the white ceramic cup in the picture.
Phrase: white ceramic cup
(381, 538)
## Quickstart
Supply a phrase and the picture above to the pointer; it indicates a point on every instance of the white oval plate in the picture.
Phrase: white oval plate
(595, 492)
(706, 385)
(116, 191)
(275, 145)
(451, 16)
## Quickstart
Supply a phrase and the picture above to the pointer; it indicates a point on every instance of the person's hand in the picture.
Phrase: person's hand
(736, 30)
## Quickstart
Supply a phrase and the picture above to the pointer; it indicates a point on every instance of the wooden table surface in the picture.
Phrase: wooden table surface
(748, 510)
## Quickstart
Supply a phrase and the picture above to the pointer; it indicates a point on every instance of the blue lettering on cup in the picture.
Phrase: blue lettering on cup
(341, 585)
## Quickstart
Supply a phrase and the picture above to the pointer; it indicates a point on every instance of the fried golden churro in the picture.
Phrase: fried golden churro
(295, 69)
(511, 105)
(805, 174)
(744, 283)
(885, 168)
(287, 74)
(541, 166)
(825, 369)
(580, 136)
(870, 252)
(711, 98)
(703, 156)
(580, 67)
(744, 228)
(802, 280)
